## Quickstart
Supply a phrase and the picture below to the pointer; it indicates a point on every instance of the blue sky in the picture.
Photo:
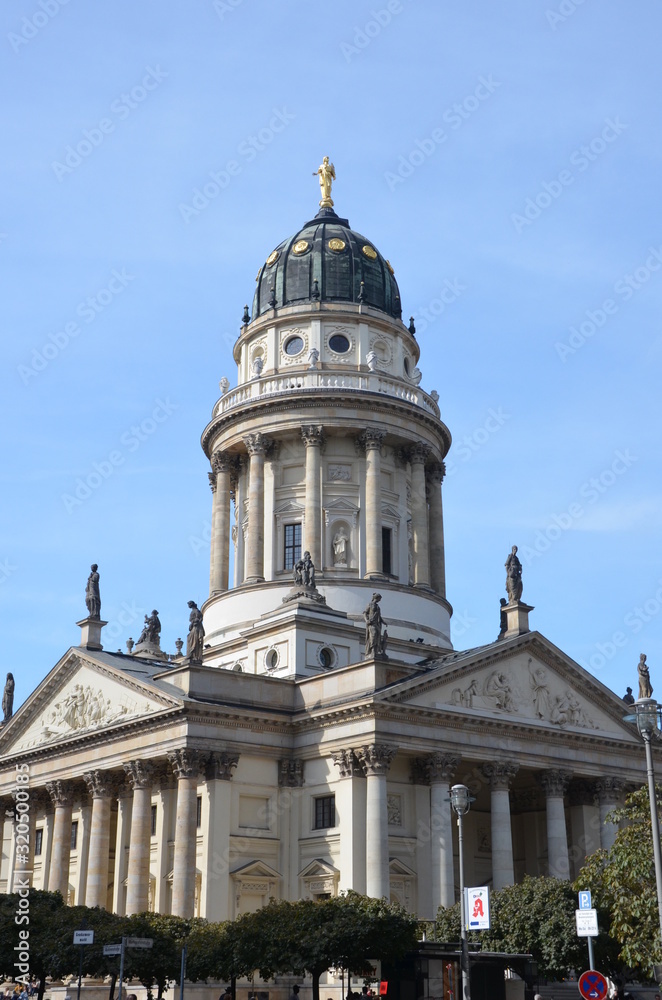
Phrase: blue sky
(504, 157)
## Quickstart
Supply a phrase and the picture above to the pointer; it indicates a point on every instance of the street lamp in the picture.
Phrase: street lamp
(646, 717)
(461, 801)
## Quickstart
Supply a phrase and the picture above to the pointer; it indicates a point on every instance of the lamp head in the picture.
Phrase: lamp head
(646, 709)
(460, 799)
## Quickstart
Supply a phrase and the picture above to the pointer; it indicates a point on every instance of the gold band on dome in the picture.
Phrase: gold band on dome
(337, 245)
(390, 266)
(300, 247)
(369, 252)
(273, 257)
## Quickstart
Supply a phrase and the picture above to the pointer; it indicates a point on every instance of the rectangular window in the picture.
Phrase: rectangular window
(386, 552)
(198, 812)
(325, 812)
(38, 841)
(74, 835)
(153, 822)
(292, 552)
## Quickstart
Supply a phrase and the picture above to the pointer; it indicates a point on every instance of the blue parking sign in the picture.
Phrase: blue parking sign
(585, 900)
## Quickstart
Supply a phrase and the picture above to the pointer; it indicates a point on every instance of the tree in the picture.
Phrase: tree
(160, 964)
(622, 881)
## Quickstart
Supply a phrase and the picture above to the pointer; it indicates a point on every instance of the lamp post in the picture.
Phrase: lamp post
(647, 710)
(460, 801)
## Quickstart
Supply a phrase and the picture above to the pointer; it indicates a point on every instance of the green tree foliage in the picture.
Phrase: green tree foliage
(622, 881)
(159, 965)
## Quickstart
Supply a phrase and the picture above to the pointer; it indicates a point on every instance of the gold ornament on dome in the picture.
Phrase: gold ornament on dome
(390, 266)
(337, 245)
(300, 247)
(273, 257)
(369, 252)
(327, 175)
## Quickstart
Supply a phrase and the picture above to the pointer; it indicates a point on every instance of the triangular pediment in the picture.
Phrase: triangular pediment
(341, 505)
(82, 695)
(289, 507)
(255, 869)
(398, 867)
(525, 679)
(318, 868)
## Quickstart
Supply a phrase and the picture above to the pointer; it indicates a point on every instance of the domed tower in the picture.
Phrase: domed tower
(326, 445)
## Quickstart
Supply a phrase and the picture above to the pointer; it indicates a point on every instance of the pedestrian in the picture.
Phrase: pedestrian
(294, 995)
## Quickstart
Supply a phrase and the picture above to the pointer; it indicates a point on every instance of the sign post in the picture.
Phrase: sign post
(593, 985)
(587, 922)
(130, 942)
(82, 938)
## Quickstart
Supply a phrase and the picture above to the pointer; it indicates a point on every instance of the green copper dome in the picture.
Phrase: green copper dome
(326, 261)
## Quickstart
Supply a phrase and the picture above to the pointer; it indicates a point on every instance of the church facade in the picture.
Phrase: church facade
(305, 741)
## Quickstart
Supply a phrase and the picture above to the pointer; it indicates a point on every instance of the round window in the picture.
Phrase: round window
(339, 343)
(294, 346)
(272, 659)
(326, 657)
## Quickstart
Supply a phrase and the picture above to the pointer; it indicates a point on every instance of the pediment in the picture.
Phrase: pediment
(318, 869)
(289, 507)
(530, 681)
(255, 869)
(398, 867)
(341, 505)
(80, 696)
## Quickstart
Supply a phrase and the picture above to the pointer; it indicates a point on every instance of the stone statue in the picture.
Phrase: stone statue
(371, 361)
(257, 366)
(196, 634)
(313, 358)
(8, 698)
(92, 596)
(374, 640)
(340, 540)
(151, 629)
(645, 686)
(327, 174)
(628, 697)
(541, 697)
(304, 572)
(503, 619)
(513, 577)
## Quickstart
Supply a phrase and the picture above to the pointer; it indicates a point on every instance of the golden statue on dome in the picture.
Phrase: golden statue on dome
(327, 174)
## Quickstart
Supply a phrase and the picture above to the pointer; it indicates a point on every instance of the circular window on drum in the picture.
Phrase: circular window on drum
(294, 345)
(327, 657)
(339, 343)
(272, 659)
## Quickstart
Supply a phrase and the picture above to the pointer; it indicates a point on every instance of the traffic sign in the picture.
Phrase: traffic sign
(112, 949)
(585, 899)
(593, 985)
(136, 942)
(587, 923)
(83, 937)
(477, 902)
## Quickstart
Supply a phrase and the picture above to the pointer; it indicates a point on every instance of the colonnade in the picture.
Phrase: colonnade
(426, 508)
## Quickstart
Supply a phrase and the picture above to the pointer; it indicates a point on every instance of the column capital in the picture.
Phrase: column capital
(140, 773)
(436, 472)
(312, 434)
(221, 764)
(347, 763)
(212, 481)
(555, 782)
(371, 439)
(376, 757)
(290, 773)
(100, 784)
(221, 461)
(609, 789)
(500, 774)
(440, 767)
(418, 451)
(257, 444)
(61, 792)
(187, 763)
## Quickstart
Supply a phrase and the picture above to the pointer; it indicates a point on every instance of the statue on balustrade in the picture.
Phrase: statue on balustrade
(513, 577)
(196, 634)
(645, 686)
(374, 629)
(151, 629)
(92, 595)
(8, 698)
(304, 572)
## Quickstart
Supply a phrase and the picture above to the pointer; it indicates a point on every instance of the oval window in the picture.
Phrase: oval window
(294, 346)
(339, 343)
(326, 657)
(272, 659)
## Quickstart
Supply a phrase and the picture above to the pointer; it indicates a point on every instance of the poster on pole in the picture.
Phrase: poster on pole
(477, 908)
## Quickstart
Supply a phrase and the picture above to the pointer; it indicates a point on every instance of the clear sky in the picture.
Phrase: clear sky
(505, 157)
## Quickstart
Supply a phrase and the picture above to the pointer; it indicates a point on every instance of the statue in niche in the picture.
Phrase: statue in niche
(541, 698)
(498, 688)
(196, 634)
(92, 595)
(513, 577)
(374, 624)
(151, 629)
(8, 698)
(340, 540)
(257, 366)
(645, 686)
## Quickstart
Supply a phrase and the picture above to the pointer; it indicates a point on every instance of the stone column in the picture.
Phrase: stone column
(418, 452)
(216, 875)
(140, 775)
(555, 784)
(371, 440)
(122, 840)
(500, 776)
(187, 766)
(312, 532)
(257, 445)
(219, 480)
(376, 760)
(351, 806)
(290, 783)
(100, 787)
(61, 793)
(609, 791)
(440, 768)
(436, 474)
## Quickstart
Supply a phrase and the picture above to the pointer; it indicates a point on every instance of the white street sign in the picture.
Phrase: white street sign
(112, 949)
(83, 937)
(477, 910)
(587, 923)
(135, 942)
(585, 899)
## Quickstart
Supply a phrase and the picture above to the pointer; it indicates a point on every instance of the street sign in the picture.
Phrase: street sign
(83, 937)
(587, 923)
(112, 949)
(593, 985)
(585, 899)
(477, 908)
(136, 942)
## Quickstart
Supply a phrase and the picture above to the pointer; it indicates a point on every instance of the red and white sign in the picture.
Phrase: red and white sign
(477, 910)
(593, 985)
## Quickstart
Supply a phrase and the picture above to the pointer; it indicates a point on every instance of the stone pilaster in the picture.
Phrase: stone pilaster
(313, 437)
(257, 446)
(555, 784)
(376, 759)
(102, 788)
(435, 477)
(371, 441)
(418, 453)
(216, 836)
(141, 776)
(219, 480)
(61, 793)
(500, 776)
(440, 769)
(351, 804)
